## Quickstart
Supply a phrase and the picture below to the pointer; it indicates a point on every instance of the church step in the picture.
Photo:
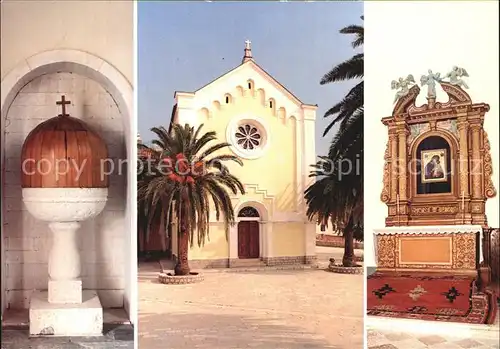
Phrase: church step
(269, 268)
(251, 262)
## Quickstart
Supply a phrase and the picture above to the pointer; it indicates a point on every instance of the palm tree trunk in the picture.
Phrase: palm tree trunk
(349, 260)
(182, 266)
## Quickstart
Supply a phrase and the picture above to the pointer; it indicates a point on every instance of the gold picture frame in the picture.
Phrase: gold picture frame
(434, 169)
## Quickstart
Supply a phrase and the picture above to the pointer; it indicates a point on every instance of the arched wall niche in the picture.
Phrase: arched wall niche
(119, 88)
(216, 105)
(261, 94)
(282, 113)
(240, 92)
(204, 113)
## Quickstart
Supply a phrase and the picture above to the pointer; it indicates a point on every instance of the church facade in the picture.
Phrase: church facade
(272, 132)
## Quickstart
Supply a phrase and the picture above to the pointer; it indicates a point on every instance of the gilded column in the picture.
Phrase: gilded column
(393, 141)
(476, 170)
(403, 165)
(463, 130)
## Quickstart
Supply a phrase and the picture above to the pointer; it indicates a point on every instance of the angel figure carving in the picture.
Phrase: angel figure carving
(430, 80)
(403, 85)
(455, 76)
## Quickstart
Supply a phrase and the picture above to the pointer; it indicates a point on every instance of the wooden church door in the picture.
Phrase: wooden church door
(248, 239)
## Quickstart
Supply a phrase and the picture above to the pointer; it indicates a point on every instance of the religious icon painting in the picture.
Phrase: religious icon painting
(434, 165)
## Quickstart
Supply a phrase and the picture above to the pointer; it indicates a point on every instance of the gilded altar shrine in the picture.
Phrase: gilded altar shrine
(436, 181)
(437, 178)
(438, 166)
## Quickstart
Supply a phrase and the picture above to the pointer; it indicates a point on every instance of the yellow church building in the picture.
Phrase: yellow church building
(272, 131)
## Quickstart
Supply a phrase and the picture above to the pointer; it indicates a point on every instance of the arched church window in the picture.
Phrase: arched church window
(248, 212)
(248, 137)
(270, 104)
(227, 99)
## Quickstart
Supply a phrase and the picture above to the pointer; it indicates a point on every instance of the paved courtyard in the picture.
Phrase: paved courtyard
(264, 310)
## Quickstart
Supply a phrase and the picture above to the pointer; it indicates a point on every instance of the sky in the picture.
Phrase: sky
(184, 45)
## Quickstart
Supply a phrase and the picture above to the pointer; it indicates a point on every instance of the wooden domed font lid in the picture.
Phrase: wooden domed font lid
(63, 152)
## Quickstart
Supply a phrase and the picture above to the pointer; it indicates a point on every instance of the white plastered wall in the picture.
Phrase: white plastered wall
(93, 40)
(404, 38)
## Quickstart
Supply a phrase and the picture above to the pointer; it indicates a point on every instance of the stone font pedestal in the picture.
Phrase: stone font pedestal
(59, 319)
(65, 309)
(65, 285)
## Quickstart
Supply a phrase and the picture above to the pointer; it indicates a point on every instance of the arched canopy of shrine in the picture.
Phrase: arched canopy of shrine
(438, 164)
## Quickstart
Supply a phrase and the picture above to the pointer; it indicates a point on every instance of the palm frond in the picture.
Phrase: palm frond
(352, 68)
(158, 192)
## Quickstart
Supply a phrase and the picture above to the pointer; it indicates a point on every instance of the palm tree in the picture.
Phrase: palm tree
(337, 194)
(353, 68)
(184, 180)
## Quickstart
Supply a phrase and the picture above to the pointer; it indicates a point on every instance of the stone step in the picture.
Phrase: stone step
(265, 268)
(253, 262)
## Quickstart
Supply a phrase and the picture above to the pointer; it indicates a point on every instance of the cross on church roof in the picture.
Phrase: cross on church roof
(248, 52)
(63, 102)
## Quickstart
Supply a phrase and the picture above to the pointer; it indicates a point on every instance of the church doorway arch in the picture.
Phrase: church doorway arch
(248, 233)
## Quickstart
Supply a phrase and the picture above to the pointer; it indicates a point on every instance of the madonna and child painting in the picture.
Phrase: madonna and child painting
(435, 165)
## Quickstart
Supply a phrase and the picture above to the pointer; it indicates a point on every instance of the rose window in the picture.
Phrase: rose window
(248, 137)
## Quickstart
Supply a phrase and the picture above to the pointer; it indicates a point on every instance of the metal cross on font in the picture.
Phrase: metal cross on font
(63, 102)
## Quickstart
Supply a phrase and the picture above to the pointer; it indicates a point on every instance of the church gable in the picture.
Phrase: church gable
(246, 80)
(249, 79)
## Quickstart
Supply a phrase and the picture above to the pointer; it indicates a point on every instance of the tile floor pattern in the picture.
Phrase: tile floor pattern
(116, 337)
(283, 309)
(398, 340)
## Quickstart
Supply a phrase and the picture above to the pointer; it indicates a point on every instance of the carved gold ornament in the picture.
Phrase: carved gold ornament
(385, 196)
(489, 188)
(386, 251)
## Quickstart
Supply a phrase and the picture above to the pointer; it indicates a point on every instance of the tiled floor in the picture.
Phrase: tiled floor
(457, 339)
(398, 340)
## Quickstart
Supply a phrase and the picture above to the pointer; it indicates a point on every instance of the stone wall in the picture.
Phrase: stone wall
(27, 240)
(330, 240)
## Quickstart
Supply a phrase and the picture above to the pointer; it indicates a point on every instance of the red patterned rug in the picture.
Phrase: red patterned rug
(450, 298)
